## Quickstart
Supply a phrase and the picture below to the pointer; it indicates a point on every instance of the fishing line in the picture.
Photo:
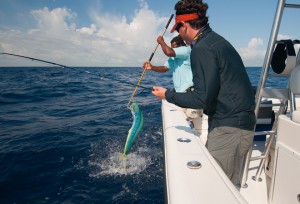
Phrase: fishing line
(101, 76)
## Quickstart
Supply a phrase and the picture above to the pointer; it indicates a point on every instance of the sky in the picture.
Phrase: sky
(123, 33)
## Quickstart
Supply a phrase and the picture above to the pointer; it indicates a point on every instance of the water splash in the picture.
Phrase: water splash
(115, 164)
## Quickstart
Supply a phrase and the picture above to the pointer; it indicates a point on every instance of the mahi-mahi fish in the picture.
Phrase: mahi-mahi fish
(138, 122)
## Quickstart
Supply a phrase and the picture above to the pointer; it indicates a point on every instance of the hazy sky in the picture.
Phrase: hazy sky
(123, 32)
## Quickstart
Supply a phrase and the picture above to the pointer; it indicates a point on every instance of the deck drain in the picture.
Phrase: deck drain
(187, 140)
(194, 164)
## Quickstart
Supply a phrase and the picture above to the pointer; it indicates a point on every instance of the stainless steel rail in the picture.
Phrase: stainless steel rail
(260, 91)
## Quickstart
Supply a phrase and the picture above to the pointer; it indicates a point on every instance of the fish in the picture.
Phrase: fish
(134, 131)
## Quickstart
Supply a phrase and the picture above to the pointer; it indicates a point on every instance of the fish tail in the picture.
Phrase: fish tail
(125, 164)
(122, 156)
(123, 160)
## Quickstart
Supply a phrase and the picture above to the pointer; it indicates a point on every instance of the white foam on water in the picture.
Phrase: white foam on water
(116, 164)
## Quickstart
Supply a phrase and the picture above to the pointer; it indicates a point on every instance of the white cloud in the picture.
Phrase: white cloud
(253, 54)
(283, 37)
(110, 40)
(88, 30)
(255, 42)
(53, 21)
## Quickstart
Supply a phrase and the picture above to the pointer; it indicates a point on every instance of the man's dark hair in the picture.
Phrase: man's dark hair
(193, 6)
(178, 40)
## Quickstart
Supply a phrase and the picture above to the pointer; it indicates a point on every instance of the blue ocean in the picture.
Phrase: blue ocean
(63, 130)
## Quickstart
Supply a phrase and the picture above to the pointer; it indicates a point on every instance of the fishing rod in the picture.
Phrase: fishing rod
(34, 59)
(76, 69)
(145, 69)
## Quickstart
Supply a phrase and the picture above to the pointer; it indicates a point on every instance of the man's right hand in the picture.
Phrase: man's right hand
(159, 92)
(147, 65)
(160, 40)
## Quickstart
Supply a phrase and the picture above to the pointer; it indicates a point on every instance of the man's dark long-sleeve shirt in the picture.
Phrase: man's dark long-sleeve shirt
(222, 86)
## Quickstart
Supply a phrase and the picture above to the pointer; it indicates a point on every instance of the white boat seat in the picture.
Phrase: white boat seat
(298, 58)
(295, 90)
(296, 116)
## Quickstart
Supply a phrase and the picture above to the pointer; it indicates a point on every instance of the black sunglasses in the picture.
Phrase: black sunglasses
(178, 27)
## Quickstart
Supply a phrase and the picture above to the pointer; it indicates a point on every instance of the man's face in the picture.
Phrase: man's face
(174, 45)
(183, 32)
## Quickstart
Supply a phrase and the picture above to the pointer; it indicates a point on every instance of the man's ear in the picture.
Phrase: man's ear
(184, 26)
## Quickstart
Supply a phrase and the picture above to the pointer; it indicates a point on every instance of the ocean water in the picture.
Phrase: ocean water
(62, 132)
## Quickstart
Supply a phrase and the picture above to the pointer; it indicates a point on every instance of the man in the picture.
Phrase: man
(179, 64)
(221, 88)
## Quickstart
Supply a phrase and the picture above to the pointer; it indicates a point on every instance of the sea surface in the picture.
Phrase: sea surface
(63, 130)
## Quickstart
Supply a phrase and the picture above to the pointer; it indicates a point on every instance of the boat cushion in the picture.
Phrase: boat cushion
(296, 116)
(295, 80)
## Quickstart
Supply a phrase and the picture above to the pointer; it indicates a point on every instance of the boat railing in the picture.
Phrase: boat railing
(266, 92)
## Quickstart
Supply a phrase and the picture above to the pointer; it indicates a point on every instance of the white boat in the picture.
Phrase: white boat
(272, 167)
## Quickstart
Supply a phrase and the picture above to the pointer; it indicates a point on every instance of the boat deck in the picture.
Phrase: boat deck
(257, 188)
